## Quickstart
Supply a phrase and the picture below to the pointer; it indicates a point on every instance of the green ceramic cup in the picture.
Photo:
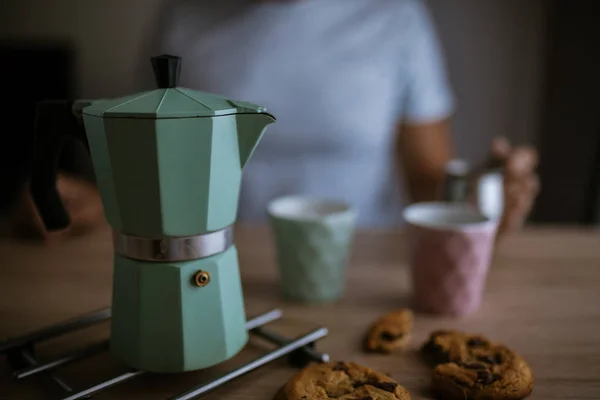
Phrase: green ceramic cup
(312, 240)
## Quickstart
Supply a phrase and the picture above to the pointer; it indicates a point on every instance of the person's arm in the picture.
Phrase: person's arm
(423, 150)
(424, 144)
(423, 141)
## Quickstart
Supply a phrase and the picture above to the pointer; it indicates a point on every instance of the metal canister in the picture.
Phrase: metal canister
(456, 181)
(483, 187)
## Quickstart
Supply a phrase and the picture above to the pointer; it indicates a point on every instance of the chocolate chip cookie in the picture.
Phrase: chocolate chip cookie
(341, 381)
(473, 367)
(390, 332)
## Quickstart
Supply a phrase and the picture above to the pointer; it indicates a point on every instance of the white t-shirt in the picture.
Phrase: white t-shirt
(338, 75)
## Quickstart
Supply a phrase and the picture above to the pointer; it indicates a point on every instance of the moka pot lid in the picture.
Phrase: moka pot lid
(170, 100)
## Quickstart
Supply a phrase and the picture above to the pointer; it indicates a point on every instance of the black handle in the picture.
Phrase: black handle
(57, 131)
(167, 69)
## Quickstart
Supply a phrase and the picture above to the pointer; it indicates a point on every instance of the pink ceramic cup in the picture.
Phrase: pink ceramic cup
(450, 248)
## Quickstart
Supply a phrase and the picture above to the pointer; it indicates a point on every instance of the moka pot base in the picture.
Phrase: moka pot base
(177, 302)
(176, 316)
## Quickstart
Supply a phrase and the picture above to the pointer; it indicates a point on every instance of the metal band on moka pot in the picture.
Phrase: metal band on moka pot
(163, 249)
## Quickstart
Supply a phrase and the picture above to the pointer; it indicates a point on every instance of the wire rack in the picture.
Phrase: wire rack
(21, 357)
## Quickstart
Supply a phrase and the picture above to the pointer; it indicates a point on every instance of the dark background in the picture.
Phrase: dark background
(570, 135)
(34, 71)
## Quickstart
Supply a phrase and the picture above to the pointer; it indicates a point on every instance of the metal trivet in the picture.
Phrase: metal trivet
(20, 354)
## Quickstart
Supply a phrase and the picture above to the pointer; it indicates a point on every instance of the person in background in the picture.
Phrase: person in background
(360, 92)
(361, 96)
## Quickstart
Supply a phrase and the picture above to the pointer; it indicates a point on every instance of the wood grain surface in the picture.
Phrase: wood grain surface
(542, 299)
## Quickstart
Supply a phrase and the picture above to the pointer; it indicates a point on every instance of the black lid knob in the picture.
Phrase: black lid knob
(166, 70)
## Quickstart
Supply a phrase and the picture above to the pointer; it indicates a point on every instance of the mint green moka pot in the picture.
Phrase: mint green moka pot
(168, 163)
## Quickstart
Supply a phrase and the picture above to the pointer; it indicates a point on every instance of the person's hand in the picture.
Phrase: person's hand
(521, 183)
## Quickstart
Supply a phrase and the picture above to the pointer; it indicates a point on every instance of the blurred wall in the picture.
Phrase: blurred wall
(494, 50)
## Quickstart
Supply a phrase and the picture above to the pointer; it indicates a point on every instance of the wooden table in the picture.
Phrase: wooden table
(543, 299)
